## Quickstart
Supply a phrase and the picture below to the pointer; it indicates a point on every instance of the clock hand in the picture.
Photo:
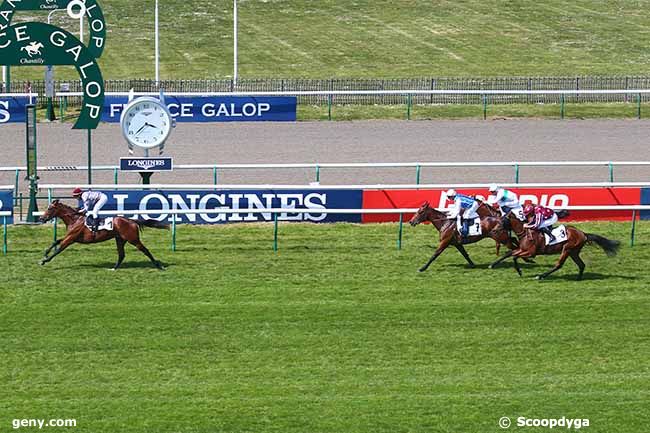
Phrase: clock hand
(141, 128)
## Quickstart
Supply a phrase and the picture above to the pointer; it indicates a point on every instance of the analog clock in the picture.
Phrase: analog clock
(146, 122)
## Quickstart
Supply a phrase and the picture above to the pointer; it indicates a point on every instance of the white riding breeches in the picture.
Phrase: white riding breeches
(470, 213)
(98, 206)
(549, 222)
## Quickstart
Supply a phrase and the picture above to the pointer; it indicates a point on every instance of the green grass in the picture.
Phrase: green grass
(378, 38)
(336, 332)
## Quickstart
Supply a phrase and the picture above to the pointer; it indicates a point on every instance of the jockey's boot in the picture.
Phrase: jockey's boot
(465, 230)
(549, 232)
(95, 227)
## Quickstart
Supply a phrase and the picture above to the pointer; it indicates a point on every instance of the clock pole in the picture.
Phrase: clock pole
(90, 159)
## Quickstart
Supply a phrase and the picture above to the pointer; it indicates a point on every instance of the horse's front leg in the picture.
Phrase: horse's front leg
(54, 245)
(499, 260)
(443, 246)
(65, 243)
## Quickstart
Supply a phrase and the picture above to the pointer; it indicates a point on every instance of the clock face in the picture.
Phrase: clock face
(146, 123)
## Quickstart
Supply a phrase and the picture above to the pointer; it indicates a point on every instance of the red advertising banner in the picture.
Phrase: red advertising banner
(551, 197)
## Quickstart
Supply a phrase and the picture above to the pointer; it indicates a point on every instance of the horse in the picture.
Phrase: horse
(532, 243)
(484, 210)
(490, 227)
(124, 230)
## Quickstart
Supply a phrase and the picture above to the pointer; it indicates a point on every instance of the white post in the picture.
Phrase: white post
(234, 74)
(157, 48)
(4, 78)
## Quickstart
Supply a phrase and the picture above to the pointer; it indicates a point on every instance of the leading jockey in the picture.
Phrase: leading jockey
(507, 201)
(540, 218)
(464, 210)
(91, 202)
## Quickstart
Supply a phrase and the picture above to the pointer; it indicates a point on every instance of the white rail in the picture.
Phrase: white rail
(6, 187)
(65, 167)
(344, 187)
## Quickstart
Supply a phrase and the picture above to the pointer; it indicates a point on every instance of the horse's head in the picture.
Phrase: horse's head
(423, 214)
(52, 211)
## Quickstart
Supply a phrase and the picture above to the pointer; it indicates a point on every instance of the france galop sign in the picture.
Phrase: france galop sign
(39, 44)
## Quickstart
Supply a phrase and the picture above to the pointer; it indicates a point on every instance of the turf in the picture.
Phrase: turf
(336, 332)
(371, 38)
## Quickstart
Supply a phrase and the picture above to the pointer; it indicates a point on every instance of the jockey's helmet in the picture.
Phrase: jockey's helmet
(493, 188)
(451, 193)
(529, 209)
(77, 192)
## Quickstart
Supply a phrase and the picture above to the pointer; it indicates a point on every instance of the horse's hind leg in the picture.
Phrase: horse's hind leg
(578, 261)
(136, 243)
(462, 250)
(560, 263)
(119, 242)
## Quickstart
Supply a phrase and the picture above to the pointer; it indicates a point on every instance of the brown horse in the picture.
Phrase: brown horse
(490, 227)
(532, 243)
(485, 210)
(124, 230)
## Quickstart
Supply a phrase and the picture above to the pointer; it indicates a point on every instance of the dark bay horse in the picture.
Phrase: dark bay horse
(124, 230)
(490, 226)
(532, 243)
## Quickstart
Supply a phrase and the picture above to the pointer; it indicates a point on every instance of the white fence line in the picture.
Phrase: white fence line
(322, 211)
(344, 187)
(381, 92)
(6, 187)
(64, 167)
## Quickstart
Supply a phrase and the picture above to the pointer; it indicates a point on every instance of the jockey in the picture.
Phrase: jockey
(464, 209)
(506, 200)
(91, 202)
(541, 218)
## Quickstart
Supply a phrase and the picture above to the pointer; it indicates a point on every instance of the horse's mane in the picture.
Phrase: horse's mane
(66, 207)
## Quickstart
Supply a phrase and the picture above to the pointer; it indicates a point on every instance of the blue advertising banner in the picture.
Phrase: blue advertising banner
(215, 108)
(12, 109)
(645, 199)
(7, 205)
(307, 203)
(146, 164)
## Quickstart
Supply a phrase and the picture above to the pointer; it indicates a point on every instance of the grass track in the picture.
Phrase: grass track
(336, 332)
(371, 38)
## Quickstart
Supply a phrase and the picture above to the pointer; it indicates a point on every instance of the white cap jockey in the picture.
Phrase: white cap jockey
(493, 188)
(451, 192)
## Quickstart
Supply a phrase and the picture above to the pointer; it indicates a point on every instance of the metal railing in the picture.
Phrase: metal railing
(276, 211)
(416, 83)
(318, 167)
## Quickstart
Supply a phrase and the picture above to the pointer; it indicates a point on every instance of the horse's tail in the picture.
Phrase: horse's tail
(562, 213)
(609, 246)
(152, 224)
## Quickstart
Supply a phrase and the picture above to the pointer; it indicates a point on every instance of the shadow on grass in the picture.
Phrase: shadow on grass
(590, 276)
(124, 266)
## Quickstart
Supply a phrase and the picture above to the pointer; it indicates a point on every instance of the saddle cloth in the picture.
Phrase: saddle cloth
(104, 224)
(560, 234)
(474, 227)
